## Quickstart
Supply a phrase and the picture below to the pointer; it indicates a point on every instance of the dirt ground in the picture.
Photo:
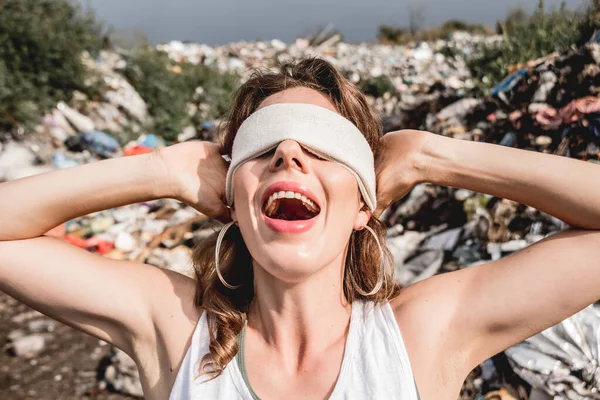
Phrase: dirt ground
(65, 369)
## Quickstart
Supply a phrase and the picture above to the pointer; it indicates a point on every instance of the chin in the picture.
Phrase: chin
(290, 272)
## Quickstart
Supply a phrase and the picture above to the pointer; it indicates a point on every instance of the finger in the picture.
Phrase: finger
(383, 202)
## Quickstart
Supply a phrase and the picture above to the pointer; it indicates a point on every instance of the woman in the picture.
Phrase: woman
(303, 291)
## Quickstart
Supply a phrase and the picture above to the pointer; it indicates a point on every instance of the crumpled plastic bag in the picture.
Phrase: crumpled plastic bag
(564, 360)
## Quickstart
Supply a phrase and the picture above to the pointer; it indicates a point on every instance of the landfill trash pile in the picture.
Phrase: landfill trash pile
(548, 105)
(563, 360)
(160, 232)
(420, 73)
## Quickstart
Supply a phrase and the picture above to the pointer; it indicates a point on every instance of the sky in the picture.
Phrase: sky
(222, 21)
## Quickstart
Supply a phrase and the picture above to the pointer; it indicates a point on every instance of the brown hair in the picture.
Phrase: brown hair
(225, 308)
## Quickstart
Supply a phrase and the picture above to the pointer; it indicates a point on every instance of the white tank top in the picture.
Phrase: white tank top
(375, 364)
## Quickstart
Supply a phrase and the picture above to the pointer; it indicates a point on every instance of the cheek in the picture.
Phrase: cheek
(340, 184)
(245, 183)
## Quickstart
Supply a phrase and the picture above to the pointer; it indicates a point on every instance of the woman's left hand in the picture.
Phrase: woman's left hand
(398, 168)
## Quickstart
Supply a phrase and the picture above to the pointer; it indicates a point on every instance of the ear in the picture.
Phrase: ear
(363, 217)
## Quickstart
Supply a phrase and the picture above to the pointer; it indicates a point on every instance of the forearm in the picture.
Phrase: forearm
(31, 206)
(566, 188)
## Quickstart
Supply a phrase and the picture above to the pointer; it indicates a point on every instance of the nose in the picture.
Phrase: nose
(289, 154)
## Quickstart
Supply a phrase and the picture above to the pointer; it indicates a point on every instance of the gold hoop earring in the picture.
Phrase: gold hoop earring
(218, 246)
(381, 268)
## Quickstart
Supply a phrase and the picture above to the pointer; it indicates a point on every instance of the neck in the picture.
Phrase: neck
(302, 317)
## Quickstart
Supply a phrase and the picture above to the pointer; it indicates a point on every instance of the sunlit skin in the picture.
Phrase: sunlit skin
(292, 258)
(298, 320)
(300, 332)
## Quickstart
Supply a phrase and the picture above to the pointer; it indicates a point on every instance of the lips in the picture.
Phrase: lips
(290, 227)
(284, 226)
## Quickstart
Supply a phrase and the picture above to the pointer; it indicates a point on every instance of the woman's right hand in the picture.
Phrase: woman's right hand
(197, 173)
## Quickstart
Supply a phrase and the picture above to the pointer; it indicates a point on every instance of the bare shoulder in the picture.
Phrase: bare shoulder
(173, 311)
(425, 313)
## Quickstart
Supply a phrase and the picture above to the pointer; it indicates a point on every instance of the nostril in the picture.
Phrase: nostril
(280, 161)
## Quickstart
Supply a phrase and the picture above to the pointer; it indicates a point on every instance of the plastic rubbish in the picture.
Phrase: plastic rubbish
(135, 150)
(101, 143)
(446, 240)
(92, 244)
(125, 242)
(13, 158)
(547, 82)
(56, 130)
(62, 160)
(423, 265)
(564, 360)
(81, 123)
(503, 89)
(509, 139)
(151, 140)
(577, 109)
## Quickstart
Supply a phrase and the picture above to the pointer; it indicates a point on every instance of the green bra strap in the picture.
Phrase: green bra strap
(417, 389)
(240, 359)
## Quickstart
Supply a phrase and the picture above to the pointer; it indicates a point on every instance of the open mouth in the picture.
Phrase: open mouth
(290, 206)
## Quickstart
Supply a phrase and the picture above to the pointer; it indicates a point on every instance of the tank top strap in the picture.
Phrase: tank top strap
(396, 334)
(183, 385)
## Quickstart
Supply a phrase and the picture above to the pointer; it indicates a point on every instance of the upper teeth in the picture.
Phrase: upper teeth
(291, 195)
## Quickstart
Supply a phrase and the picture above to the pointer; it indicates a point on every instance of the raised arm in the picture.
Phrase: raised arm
(117, 301)
(490, 307)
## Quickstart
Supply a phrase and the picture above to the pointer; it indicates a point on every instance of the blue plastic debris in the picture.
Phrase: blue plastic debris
(151, 140)
(101, 143)
(503, 89)
(61, 160)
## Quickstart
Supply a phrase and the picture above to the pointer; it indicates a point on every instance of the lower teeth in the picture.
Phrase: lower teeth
(289, 218)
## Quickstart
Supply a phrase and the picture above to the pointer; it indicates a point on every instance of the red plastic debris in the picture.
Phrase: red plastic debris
(137, 149)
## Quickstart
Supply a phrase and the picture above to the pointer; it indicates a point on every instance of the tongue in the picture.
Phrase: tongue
(292, 209)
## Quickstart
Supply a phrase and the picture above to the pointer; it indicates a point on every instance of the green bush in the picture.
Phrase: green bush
(389, 34)
(169, 87)
(41, 42)
(590, 21)
(450, 51)
(454, 25)
(377, 86)
(526, 37)
(488, 68)
(542, 33)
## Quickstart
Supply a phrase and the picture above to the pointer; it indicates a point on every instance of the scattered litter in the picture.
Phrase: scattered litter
(431, 230)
